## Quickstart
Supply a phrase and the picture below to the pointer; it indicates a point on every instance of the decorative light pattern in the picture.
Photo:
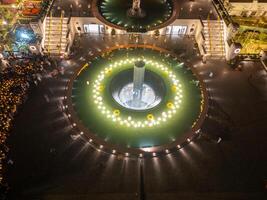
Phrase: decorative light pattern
(106, 8)
(150, 120)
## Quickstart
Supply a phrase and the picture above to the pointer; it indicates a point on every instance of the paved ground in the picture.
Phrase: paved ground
(48, 164)
(186, 9)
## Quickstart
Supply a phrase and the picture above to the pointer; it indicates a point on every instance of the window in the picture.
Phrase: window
(93, 28)
(176, 30)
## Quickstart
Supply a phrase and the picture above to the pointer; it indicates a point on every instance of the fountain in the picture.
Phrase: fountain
(138, 80)
(137, 102)
(135, 10)
(132, 91)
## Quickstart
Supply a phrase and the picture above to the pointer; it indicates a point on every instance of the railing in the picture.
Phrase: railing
(68, 33)
(200, 18)
(49, 32)
(203, 36)
(47, 9)
(209, 30)
(61, 28)
(221, 32)
(218, 5)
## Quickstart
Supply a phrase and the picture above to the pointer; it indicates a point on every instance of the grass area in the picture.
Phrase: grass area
(115, 133)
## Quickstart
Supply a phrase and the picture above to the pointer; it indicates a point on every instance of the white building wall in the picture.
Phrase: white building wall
(237, 8)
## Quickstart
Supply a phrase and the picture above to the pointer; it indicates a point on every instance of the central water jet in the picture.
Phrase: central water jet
(138, 81)
(138, 88)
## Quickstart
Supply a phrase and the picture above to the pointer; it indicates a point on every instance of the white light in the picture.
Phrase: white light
(140, 155)
(81, 133)
(113, 151)
(101, 146)
(87, 82)
(154, 154)
(129, 121)
(236, 51)
(167, 151)
(24, 36)
(126, 154)
(74, 124)
(178, 146)
(90, 140)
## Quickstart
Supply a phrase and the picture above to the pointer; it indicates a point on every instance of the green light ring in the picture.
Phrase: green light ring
(129, 121)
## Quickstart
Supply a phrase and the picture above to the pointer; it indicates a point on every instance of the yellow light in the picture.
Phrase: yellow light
(170, 105)
(150, 117)
(116, 112)
(129, 121)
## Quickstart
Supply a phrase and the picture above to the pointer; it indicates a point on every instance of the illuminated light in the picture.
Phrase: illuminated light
(154, 154)
(152, 120)
(81, 133)
(140, 155)
(116, 112)
(236, 51)
(74, 124)
(126, 154)
(69, 115)
(101, 146)
(113, 151)
(24, 36)
(188, 140)
(101, 88)
(179, 146)
(170, 105)
(150, 117)
(90, 140)
(87, 82)
(167, 151)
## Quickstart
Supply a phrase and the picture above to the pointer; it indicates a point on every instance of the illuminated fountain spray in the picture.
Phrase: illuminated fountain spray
(138, 93)
(138, 81)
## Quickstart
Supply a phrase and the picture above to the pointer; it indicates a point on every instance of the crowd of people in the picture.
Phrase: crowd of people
(17, 76)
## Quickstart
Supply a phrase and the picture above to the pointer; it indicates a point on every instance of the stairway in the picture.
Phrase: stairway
(213, 32)
(55, 37)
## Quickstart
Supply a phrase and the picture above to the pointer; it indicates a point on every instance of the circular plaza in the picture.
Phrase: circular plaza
(116, 113)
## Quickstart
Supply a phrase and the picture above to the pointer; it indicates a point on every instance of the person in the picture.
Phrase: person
(211, 74)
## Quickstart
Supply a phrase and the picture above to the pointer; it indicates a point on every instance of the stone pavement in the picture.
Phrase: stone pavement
(49, 164)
